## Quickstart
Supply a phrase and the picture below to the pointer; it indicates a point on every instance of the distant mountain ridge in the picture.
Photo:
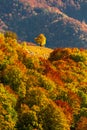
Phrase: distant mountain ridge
(74, 8)
(29, 18)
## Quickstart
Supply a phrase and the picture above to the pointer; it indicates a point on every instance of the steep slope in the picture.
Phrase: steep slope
(29, 18)
(60, 30)
(42, 93)
(74, 8)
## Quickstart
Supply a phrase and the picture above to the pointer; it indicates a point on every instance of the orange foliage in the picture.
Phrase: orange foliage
(82, 124)
(9, 90)
(51, 72)
(38, 82)
(2, 38)
(66, 109)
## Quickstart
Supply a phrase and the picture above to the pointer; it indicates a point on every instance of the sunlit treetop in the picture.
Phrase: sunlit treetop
(40, 39)
(2, 38)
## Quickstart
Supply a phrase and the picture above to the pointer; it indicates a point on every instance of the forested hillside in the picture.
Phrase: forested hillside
(74, 8)
(41, 88)
(62, 22)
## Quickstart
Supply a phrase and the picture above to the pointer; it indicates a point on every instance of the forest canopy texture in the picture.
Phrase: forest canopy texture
(42, 92)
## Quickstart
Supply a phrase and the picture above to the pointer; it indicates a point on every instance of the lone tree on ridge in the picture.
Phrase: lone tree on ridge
(40, 39)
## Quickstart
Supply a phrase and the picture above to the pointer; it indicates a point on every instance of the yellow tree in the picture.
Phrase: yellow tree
(2, 38)
(40, 39)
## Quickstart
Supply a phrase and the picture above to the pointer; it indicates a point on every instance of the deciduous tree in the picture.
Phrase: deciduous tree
(40, 39)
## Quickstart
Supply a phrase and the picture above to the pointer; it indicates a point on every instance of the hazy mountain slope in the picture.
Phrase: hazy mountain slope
(3, 26)
(29, 18)
(74, 8)
(59, 29)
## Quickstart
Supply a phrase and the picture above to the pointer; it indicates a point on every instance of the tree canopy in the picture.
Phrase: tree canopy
(40, 39)
(38, 93)
(11, 34)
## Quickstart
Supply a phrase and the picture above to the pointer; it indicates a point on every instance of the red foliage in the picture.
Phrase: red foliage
(66, 109)
(51, 72)
(8, 88)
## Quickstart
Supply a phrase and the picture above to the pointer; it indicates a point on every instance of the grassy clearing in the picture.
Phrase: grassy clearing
(39, 51)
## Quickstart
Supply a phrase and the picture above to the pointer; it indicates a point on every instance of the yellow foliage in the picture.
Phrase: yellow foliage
(39, 51)
(38, 82)
(41, 40)
(2, 38)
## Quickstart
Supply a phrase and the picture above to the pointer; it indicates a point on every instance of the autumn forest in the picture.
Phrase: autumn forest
(42, 92)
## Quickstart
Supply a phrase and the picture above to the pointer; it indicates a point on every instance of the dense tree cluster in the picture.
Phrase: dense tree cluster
(42, 94)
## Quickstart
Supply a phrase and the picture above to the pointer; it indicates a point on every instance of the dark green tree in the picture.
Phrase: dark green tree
(11, 34)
